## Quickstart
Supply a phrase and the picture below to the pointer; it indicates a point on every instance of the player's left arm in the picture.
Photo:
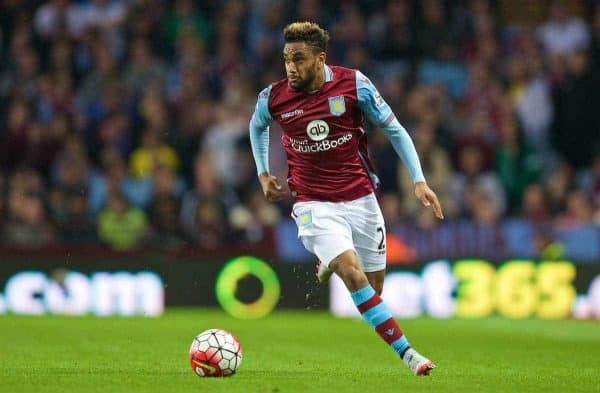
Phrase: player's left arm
(379, 113)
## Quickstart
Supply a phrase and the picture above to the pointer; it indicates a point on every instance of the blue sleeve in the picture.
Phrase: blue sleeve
(405, 148)
(259, 131)
(379, 113)
(371, 103)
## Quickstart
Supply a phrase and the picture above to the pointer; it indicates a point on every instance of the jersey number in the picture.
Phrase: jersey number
(382, 242)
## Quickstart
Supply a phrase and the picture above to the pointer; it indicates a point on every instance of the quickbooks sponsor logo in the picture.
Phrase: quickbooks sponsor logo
(305, 147)
(317, 130)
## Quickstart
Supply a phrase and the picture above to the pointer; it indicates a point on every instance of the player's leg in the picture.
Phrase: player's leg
(347, 267)
(375, 312)
(369, 238)
(323, 272)
(319, 218)
(325, 231)
(376, 280)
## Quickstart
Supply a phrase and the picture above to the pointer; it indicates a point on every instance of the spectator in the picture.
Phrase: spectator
(396, 41)
(534, 106)
(444, 70)
(58, 18)
(208, 229)
(222, 138)
(560, 182)
(114, 178)
(42, 145)
(15, 139)
(120, 226)
(61, 57)
(207, 191)
(152, 153)
(350, 28)
(144, 19)
(166, 234)
(70, 212)
(578, 212)
(106, 17)
(264, 27)
(562, 33)
(103, 73)
(435, 28)
(186, 18)
(483, 101)
(144, 67)
(576, 125)
(166, 183)
(27, 225)
(20, 78)
(515, 163)
(473, 174)
(534, 206)
(590, 185)
(55, 96)
(309, 10)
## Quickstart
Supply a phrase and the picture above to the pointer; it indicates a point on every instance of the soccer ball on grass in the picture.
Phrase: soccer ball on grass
(215, 353)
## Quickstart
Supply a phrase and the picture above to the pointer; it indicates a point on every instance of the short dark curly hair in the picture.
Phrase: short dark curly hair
(308, 32)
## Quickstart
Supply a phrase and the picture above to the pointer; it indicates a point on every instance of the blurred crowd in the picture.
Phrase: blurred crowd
(125, 121)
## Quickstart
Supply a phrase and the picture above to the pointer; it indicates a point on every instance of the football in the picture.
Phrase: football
(215, 353)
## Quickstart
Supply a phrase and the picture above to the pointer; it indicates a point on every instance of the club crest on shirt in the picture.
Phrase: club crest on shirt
(337, 105)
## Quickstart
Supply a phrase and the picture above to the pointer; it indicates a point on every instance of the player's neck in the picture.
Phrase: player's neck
(317, 83)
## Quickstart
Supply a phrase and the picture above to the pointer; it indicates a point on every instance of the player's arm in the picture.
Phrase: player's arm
(259, 140)
(379, 113)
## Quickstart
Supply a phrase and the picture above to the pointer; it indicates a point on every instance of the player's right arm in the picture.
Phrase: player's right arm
(259, 140)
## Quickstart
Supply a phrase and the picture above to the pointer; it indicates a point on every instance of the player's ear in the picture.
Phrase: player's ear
(322, 56)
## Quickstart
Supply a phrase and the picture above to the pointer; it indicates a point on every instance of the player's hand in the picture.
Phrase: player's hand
(428, 198)
(271, 187)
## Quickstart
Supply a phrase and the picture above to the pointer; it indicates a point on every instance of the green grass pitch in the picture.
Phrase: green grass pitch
(295, 351)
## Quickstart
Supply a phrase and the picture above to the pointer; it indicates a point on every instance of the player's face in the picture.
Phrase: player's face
(301, 64)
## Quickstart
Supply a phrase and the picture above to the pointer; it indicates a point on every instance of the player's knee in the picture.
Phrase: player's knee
(355, 279)
(352, 276)
(346, 261)
(347, 267)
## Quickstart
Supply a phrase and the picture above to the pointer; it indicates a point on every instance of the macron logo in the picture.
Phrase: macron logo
(287, 115)
(390, 332)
